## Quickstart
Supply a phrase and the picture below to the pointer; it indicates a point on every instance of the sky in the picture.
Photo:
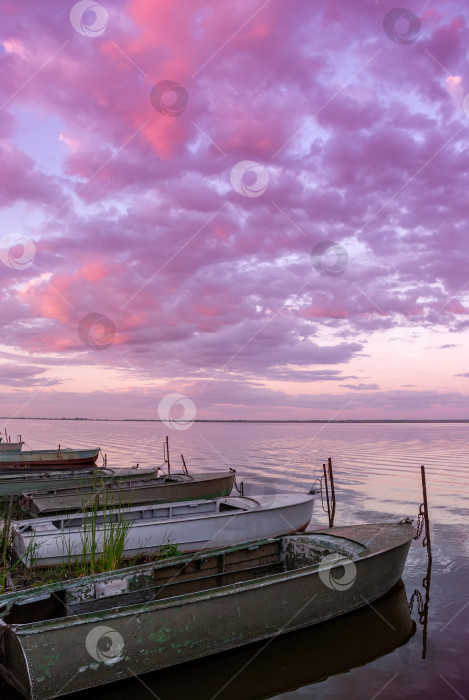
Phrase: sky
(243, 210)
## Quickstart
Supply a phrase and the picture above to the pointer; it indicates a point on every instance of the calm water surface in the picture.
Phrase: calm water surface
(373, 653)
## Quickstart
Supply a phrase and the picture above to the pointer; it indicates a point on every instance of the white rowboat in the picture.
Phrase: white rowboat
(192, 525)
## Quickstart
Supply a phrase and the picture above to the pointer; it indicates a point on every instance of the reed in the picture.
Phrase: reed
(111, 543)
(100, 549)
(4, 536)
(10, 567)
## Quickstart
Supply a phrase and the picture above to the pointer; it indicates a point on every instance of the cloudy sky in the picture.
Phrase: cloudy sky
(251, 209)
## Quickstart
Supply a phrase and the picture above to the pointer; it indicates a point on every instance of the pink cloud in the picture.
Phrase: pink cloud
(363, 141)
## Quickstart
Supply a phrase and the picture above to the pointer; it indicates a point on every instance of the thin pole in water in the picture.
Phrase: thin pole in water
(167, 455)
(426, 541)
(327, 494)
(331, 477)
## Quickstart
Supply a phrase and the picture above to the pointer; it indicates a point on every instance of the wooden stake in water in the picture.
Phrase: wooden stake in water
(167, 455)
(331, 478)
(326, 485)
(426, 542)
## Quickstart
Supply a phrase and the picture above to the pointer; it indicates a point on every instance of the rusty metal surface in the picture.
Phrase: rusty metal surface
(160, 633)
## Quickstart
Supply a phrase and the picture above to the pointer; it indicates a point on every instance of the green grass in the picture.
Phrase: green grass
(96, 554)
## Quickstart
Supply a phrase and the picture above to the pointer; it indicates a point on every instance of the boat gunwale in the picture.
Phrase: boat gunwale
(187, 598)
(80, 473)
(145, 522)
(28, 453)
(144, 479)
(186, 557)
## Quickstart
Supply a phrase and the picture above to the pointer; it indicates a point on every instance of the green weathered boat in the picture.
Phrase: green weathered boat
(286, 663)
(135, 490)
(14, 483)
(69, 636)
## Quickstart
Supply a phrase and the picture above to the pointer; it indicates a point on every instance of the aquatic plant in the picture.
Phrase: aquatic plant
(103, 538)
(9, 566)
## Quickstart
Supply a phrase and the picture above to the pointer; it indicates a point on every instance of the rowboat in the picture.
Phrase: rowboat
(300, 658)
(69, 636)
(41, 459)
(193, 525)
(15, 482)
(134, 490)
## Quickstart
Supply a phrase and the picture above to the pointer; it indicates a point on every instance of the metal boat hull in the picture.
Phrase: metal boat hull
(299, 658)
(136, 490)
(13, 483)
(113, 626)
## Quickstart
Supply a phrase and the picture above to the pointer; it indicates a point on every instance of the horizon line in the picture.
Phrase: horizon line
(250, 420)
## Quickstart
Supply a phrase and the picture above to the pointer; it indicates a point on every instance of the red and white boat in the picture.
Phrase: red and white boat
(48, 459)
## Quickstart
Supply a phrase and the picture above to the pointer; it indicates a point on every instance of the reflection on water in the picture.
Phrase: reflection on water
(377, 477)
(423, 604)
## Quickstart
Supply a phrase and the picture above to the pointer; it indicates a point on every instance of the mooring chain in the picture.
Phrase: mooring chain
(420, 604)
(420, 524)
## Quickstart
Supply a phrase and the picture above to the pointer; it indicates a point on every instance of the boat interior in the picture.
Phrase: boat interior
(162, 581)
(142, 513)
(120, 485)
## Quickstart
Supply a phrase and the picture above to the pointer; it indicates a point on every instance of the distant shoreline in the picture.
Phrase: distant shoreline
(247, 420)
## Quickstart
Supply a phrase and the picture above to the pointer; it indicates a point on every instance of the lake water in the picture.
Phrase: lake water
(372, 653)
